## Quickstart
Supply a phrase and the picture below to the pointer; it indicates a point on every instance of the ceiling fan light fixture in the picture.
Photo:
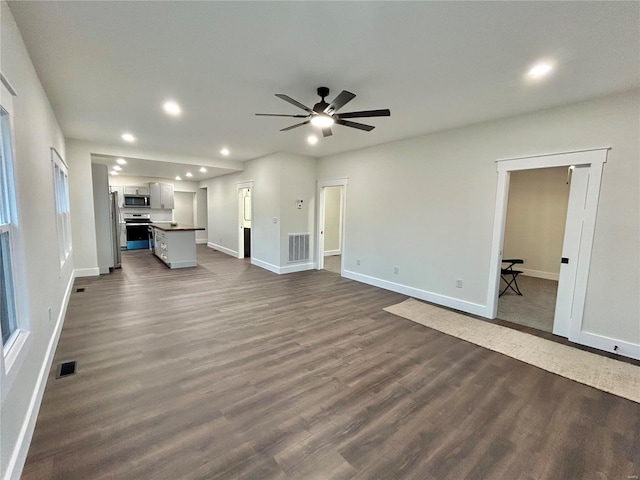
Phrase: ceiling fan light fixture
(321, 120)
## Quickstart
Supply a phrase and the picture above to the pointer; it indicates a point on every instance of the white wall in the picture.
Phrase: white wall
(41, 281)
(278, 180)
(426, 204)
(297, 182)
(332, 212)
(183, 207)
(536, 216)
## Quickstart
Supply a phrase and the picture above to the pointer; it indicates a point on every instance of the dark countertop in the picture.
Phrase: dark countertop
(181, 227)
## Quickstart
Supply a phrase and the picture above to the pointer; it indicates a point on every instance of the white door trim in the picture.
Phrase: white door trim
(596, 158)
(240, 230)
(337, 182)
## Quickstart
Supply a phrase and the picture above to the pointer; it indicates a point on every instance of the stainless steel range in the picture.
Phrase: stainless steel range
(137, 235)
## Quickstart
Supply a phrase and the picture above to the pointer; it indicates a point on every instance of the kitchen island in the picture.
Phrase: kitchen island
(175, 245)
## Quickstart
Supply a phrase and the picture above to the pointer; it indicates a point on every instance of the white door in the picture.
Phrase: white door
(571, 249)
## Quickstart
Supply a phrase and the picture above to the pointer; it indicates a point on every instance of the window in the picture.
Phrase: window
(63, 220)
(8, 319)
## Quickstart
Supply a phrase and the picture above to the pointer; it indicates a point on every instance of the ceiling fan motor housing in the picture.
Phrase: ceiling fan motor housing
(321, 105)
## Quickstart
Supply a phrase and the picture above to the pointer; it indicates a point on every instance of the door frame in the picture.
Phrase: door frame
(322, 184)
(239, 187)
(595, 158)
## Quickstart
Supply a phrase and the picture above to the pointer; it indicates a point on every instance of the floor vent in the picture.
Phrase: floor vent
(66, 368)
(298, 247)
(80, 290)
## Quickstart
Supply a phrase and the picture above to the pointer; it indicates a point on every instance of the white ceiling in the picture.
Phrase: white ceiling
(108, 66)
(139, 167)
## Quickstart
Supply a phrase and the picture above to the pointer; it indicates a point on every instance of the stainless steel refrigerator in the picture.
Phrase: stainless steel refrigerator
(114, 210)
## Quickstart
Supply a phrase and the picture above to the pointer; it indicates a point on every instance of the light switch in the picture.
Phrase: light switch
(275, 219)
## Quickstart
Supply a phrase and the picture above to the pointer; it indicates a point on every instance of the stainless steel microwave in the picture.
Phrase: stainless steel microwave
(140, 201)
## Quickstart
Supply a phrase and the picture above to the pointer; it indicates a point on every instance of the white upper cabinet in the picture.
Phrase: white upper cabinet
(161, 195)
(136, 190)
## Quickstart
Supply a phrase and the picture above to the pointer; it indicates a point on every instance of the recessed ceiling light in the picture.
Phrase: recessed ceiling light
(121, 161)
(117, 168)
(172, 108)
(312, 139)
(322, 120)
(113, 172)
(224, 151)
(127, 137)
(178, 178)
(203, 170)
(540, 70)
(189, 174)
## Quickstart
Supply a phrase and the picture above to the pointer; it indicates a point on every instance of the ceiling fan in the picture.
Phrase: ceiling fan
(324, 114)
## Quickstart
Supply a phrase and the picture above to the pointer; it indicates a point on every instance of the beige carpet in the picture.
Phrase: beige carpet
(535, 308)
(332, 263)
(609, 375)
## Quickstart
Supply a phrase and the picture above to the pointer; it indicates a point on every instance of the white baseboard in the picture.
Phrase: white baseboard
(330, 253)
(538, 274)
(462, 305)
(265, 265)
(222, 249)
(201, 241)
(86, 272)
(625, 349)
(19, 454)
(183, 264)
(298, 267)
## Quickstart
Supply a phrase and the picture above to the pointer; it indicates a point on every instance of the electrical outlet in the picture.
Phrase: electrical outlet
(357, 261)
(396, 270)
(459, 283)
(50, 316)
(275, 219)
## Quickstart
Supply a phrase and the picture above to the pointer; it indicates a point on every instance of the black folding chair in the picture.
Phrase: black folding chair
(510, 276)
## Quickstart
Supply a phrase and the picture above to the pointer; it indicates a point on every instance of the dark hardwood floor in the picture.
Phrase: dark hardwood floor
(227, 371)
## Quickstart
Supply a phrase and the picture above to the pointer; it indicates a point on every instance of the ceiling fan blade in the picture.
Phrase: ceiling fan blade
(280, 115)
(287, 98)
(326, 132)
(359, 126)
(294, 126)
(366, 113)
(341, 100)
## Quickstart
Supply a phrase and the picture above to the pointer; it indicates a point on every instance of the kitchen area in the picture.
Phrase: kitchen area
(144, 215)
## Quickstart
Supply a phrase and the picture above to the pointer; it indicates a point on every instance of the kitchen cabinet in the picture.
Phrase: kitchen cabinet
(175, 245)
(136, 190)
(161, 195)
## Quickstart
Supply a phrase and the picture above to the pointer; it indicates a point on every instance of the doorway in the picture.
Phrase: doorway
(330, 228)
(245, 208)
(534, 231)
(579, 229)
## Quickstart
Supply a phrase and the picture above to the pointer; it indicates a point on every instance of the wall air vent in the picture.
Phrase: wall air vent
(298, 247)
